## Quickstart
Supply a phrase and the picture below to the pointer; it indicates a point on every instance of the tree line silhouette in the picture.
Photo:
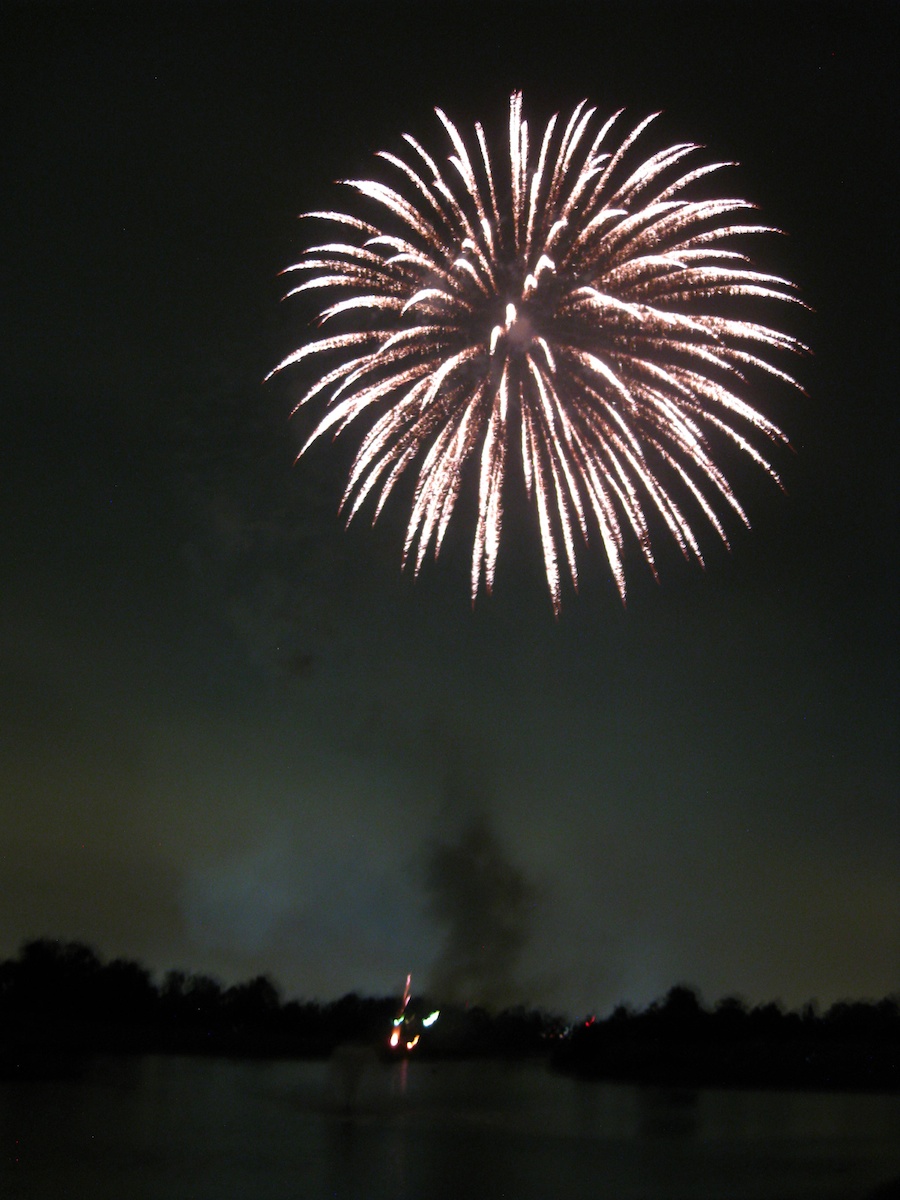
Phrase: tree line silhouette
(854, 1044)
(59, 1001)
(61, 996)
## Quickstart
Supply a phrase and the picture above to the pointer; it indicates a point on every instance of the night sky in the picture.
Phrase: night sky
(234, 736)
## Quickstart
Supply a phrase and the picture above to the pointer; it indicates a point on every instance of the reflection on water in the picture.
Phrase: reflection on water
(358, 1129)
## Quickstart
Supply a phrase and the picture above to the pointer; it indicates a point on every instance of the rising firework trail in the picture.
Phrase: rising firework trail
(562, 304)
(406, 1027)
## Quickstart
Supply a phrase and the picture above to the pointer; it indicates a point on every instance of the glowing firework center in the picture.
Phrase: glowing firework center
(407, 1026)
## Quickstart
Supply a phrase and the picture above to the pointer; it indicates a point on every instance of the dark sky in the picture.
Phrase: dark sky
(234, 737)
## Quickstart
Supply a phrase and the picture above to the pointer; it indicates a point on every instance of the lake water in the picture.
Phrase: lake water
(354, 1129)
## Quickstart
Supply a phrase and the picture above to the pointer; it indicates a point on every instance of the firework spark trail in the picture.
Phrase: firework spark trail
(578, 307)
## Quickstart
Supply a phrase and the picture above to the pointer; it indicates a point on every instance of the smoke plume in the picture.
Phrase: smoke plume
(484, 904)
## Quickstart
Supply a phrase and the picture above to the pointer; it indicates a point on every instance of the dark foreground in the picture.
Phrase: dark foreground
(354, 1128)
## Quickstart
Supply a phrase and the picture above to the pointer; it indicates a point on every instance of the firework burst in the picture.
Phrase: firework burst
(567, 306)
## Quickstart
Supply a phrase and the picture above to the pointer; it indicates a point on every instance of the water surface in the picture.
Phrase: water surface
(160, 1128)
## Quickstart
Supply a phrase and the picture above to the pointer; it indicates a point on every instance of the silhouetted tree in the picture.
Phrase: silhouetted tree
(59, 978)
(191, 1000)
(251, 1004)
(767, 1022)
(729, 1020)
(125, 993)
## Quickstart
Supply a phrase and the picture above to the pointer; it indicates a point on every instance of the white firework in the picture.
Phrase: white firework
(569, 306)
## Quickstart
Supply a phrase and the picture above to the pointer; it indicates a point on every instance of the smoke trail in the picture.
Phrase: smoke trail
(484, 903)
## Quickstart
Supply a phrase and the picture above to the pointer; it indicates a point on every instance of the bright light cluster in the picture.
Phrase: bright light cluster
(565, 305)
(406, 1026)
